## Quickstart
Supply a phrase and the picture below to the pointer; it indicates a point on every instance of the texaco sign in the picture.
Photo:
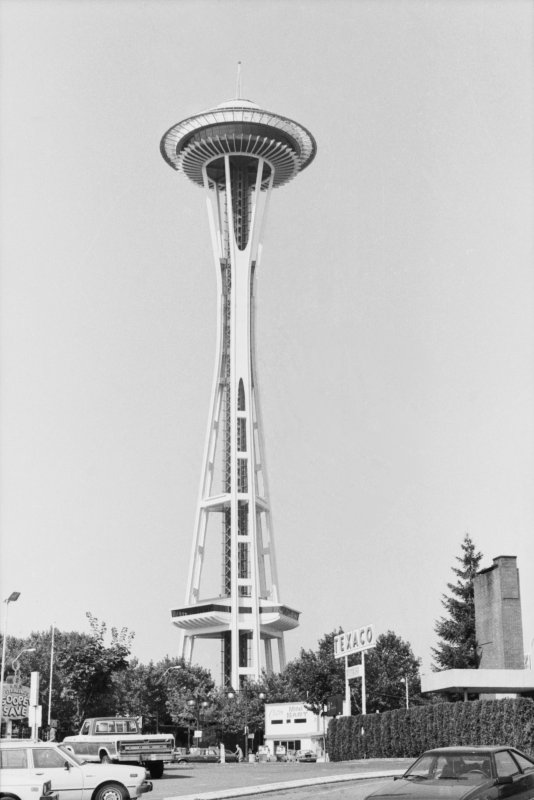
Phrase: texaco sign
(354, 641)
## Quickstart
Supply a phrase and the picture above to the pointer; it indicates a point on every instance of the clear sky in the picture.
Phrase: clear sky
(395, 305)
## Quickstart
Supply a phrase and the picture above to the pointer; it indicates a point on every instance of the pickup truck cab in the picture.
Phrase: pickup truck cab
(120, 740)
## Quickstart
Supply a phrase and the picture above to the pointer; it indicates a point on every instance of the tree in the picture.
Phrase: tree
(315, 675)
(141, 690)
(388, 666)
(458, 648)
(86, 670)
(277, 687)
(83, 668)
(191, 697)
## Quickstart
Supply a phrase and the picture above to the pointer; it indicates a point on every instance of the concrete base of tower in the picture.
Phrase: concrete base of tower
(210, 618)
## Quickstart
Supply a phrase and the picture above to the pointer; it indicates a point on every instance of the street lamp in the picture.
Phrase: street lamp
(11, 599)
(26, 650)
(160, 681)
(176, 666)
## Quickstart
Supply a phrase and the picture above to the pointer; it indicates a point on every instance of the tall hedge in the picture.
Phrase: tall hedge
(408, 732)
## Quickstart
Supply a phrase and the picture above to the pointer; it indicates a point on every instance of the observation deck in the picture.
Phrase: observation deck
(238, 128)
(212, 617)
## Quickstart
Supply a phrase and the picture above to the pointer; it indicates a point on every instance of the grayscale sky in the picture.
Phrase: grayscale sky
(395, 305)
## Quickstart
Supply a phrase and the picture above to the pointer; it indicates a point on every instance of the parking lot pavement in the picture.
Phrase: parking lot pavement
(218, 781)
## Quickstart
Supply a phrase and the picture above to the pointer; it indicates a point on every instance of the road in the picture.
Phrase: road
(184, 780)
(352, 790)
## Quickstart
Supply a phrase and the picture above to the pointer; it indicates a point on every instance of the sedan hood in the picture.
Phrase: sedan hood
(127, 773)
(423, 790)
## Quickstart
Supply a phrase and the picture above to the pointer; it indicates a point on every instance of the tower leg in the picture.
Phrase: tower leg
(282, 652)
(268, 656)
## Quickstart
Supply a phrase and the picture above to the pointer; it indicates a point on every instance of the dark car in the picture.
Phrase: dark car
(457, 773)
(202, 755)
(307, 755)
(198, 755)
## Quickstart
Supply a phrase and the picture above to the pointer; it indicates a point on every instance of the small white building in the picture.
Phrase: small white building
(291, 726)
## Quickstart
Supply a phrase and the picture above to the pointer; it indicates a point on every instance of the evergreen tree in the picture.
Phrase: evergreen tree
(458, 648)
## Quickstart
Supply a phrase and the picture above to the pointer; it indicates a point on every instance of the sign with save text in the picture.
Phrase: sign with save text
(345, 644)
(15, 701)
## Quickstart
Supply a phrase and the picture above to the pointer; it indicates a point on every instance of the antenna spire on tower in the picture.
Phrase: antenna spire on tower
(238, 82)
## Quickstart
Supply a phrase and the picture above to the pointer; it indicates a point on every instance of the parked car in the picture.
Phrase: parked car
(455, 773)
(201, 755)
(306, 755)
(20, 785)
(70, 777)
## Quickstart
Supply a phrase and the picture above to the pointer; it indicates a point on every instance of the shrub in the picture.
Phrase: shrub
(401, 733)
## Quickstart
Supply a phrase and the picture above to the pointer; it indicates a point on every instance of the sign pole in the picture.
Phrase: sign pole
(345, 644)
(364, 703)
(35, 710)
(346, 704)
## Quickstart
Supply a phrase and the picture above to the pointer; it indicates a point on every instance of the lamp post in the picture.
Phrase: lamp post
(14, 662)
(11, 599)
(161, 681)
(244, 692)
(176, 666)
(198, 705)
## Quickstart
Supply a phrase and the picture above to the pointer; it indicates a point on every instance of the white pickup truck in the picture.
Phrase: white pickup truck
(119, 740)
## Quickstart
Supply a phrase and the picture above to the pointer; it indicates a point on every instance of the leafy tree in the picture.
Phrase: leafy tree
(142, 690)
(458, 648)
(277, 687)
(388, 666)
(238, 712)
(82, 671)
(315, 675)
(26, 663)
(191, 697)
(88, 670)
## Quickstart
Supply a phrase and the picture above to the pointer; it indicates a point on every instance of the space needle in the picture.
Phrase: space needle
(238, 152)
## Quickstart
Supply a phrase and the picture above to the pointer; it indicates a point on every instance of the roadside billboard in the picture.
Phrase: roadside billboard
(15, 701)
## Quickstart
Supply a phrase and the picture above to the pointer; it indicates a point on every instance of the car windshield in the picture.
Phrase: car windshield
(453, 766)
(70, 754)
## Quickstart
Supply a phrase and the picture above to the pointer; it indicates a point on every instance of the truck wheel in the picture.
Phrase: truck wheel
(111, 791)
(155, 768)
(104, 758)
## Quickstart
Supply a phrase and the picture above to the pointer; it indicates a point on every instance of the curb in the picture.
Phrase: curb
(244, 791)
